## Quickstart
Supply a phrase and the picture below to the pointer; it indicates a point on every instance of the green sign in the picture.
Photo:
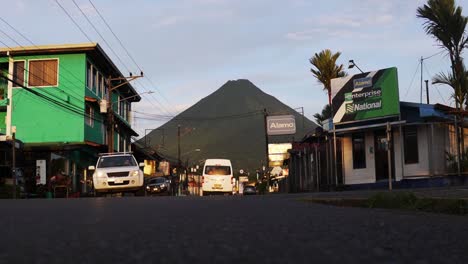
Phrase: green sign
(365, 96)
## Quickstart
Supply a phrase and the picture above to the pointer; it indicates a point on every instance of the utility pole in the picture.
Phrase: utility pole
(389, 155)
(110, 109)
(11, 130)
(265, 115)
(420, 93)
(427, 90)
(178, 155)
(13, 163)
(10, 96)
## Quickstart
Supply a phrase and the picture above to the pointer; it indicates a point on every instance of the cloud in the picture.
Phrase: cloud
(305, 35)
(339, 21)
(170, 21)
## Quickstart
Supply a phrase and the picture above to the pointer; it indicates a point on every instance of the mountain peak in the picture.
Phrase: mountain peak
(228, 124)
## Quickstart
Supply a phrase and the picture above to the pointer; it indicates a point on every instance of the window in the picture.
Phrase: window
(94, 80)
(89, 75)
(359, 151)
(43, 73)
(411, 144)
(89, 116)
(99, 85)
(105, 88)
(127, 113)
(218, 170)
(121, 107)
(18, 73)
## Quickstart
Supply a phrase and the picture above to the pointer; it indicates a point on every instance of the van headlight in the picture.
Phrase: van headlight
(101, 174)
(135, 173)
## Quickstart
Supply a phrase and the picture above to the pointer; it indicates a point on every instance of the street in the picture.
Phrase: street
(223, 229)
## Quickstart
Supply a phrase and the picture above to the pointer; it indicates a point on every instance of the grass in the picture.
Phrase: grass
(403, 201)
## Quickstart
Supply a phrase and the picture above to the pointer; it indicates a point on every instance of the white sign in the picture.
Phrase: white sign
(281, 125)
(40, 172)
(243, 179)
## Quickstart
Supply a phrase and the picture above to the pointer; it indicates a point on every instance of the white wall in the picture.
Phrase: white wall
(421, 168)
(357, 176)
(429, 148)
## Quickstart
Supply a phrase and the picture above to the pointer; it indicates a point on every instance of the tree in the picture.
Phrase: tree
(324, 115)
(443, 20)
(326, 69)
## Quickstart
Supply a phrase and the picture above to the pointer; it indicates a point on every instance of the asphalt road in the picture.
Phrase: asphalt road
(262, 229)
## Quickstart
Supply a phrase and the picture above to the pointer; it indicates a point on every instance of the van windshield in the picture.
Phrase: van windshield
(217, 170)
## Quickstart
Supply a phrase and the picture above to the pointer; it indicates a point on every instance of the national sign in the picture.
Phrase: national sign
(365, 96)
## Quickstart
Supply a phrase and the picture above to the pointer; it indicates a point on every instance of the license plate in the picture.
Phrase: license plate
(217, 186)
(118, 181)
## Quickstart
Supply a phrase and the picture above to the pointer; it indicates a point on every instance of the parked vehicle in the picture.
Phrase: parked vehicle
(250, 190)
(158, 185)
(217, 177)
(117, 172)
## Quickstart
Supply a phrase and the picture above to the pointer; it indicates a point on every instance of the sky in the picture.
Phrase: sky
(189, 48)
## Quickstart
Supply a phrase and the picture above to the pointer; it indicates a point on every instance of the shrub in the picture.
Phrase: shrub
(403, 200)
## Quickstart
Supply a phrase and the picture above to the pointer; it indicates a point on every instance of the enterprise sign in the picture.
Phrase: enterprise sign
(281, 125)
(356, 98)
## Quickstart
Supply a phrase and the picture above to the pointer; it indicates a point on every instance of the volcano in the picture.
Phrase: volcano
(229, 123)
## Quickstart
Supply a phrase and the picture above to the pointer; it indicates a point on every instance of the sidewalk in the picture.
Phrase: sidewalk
(456, 192)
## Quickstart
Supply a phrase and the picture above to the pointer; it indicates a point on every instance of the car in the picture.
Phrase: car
(158, 185)
(117, 172)
(250, 190)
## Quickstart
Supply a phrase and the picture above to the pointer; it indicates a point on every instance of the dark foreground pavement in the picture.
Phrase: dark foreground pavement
(262, 229)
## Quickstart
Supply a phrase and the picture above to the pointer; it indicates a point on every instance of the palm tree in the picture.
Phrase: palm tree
(444, 21)
(326, 69)
(324, 115)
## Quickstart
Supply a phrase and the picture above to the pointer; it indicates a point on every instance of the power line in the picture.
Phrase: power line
(128, 53)
(411, 83)
(97, 31)
(433, 55)
(74, 22)
(241, 115)
(50, 68)
(64, 106)
(19, 33)
(109, 46)
(43, 71)
(162, 107)
(32, 43)
(8, 36)
(110, 29)
(437, 88)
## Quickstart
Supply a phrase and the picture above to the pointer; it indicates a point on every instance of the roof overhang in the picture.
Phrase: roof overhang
(92, 49)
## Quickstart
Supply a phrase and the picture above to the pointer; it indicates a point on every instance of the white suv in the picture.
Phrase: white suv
(117, 172)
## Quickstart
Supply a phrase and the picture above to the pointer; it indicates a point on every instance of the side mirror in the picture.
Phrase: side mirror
(91, 168)
(141, 164)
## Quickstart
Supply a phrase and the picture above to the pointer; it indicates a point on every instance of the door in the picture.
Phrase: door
(381, 158)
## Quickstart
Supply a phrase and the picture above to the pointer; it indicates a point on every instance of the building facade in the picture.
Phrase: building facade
(61, 97)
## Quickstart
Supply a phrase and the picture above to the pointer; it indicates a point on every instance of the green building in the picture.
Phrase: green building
(60, 107)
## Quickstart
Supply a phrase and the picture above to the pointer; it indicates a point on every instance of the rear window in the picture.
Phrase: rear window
(158, 180)
(116, 161)
(217, 170)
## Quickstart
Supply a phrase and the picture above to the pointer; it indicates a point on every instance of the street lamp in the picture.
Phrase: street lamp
(352, 64)
(135, 95)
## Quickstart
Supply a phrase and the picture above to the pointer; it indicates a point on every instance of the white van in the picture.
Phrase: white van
(217, 177)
